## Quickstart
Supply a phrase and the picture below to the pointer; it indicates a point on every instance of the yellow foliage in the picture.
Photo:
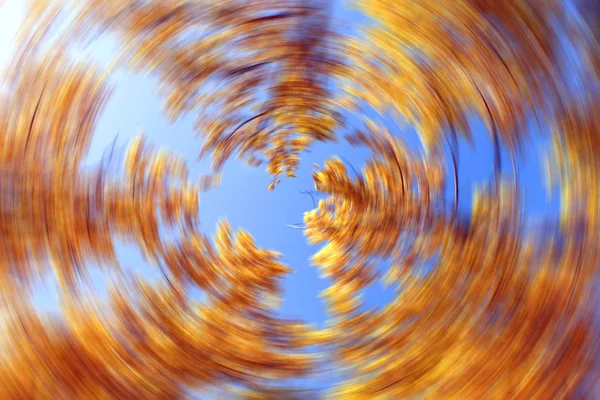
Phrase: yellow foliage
(505, 311)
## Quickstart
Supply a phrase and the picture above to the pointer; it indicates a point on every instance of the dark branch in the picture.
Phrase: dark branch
(247, 121)
(350, 165)
(311, 193)
(497, 155)
(37, 107)
(455, 171)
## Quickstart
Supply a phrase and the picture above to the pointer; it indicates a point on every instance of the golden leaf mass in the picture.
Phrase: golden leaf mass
(507, 307)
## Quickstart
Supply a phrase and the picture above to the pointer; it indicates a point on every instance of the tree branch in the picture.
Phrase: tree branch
(311, 193)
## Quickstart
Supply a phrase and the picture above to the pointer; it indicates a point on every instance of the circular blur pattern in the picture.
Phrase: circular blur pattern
(489, 302)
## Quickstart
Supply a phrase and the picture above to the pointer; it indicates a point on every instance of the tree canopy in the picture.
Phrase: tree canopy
(507, 310)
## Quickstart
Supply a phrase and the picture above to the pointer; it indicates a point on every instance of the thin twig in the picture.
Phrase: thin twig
(244, 123)
(311, 193)
(296, 226)
(112, 150)
(351, 166)
(454, 150)
(495, 134)
(37, 107)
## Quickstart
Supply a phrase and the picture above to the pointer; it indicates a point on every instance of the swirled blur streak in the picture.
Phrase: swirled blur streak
(508, 311)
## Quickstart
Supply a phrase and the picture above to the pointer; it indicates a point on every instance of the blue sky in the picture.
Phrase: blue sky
(243, 198)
